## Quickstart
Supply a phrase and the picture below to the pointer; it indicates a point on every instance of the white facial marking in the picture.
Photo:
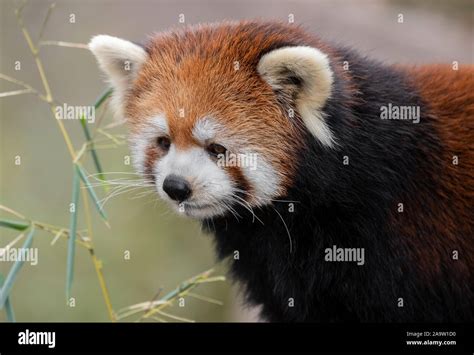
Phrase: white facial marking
(264, 180)
(205, 129)
(140, 141)
(213, 189)
(261, 175)
(211, 186)
(159, 123)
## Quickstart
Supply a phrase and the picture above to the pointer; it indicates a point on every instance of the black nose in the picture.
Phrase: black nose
(177, 188)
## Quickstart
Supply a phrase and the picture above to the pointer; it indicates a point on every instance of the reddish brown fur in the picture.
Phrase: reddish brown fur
(449, 96)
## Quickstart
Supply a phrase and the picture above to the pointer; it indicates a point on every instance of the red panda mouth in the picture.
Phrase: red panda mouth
(196, 206)
(201, 211)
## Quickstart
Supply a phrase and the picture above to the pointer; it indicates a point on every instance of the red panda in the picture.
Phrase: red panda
(359, 204)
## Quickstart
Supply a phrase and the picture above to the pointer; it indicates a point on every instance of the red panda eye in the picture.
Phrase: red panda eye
(216, 149)
(163, 142)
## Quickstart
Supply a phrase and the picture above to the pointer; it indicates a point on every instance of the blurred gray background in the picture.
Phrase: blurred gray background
(165, 249)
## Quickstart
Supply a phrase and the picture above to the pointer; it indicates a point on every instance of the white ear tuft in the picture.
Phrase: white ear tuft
(120, 60)
(302, 72)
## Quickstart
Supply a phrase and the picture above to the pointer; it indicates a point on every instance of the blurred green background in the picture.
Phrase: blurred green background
(165, 249)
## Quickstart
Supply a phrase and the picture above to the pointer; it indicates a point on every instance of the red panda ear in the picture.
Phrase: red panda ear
(303, 73)
(120, 60)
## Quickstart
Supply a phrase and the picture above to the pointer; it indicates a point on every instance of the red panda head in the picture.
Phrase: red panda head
(217, 112)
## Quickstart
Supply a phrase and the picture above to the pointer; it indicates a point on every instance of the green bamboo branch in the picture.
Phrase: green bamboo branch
(50, 100)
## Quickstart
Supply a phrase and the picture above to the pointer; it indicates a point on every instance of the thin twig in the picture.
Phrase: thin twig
(63, 44)
(14, 241)
(45, 21)
(56, 237)
(15, 93)
(25, 85)
(97, 263)
(13, 212)
(49, 96)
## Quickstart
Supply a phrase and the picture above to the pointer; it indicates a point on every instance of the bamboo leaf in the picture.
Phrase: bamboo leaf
(7, 286)
(88, 135)
(12, 224)
(91, 191)
(71, 250)
(8, 305)
(10, 312)
(102, 98)
(95, 157)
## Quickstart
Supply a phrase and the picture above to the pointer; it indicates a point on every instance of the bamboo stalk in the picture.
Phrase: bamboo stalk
(96, 262)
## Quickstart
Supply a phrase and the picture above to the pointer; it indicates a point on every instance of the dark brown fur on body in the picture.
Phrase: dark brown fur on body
(438, 221)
